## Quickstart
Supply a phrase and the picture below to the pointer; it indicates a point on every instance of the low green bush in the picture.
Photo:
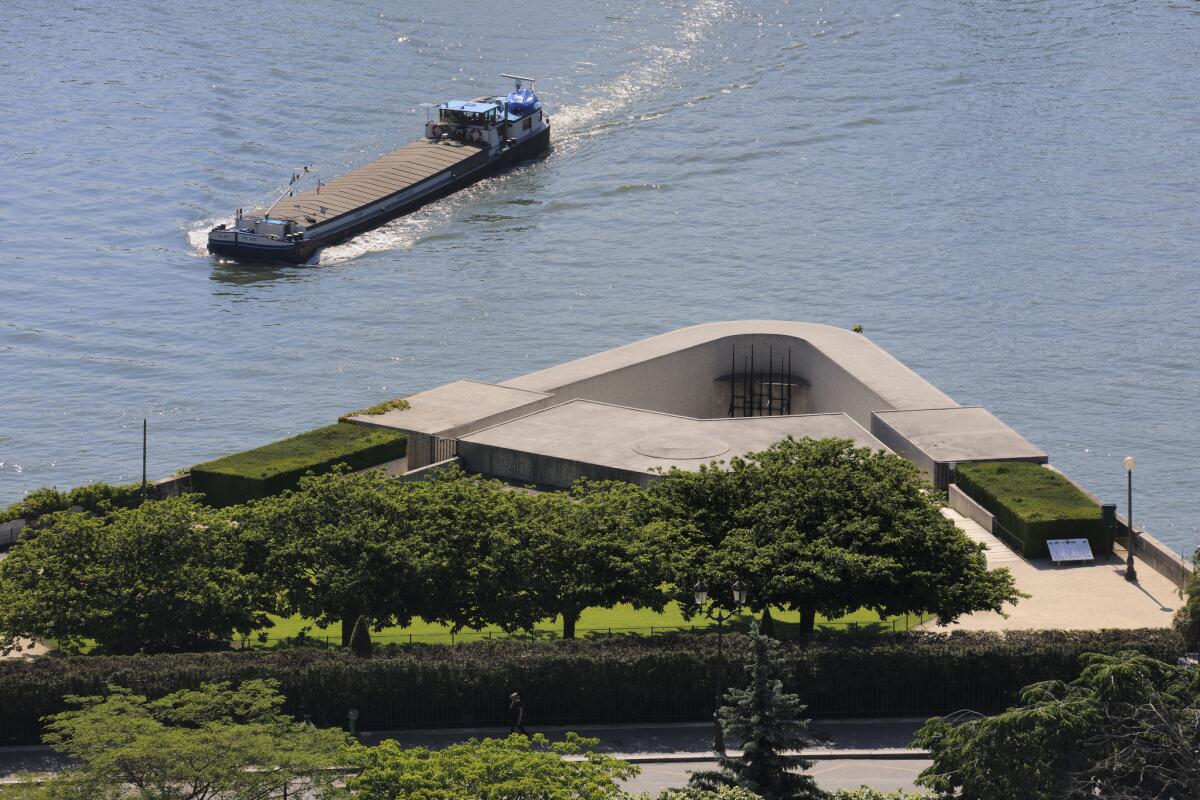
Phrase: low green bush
(566, 682)
(272, 468)
(1034, 504)
(97, 498)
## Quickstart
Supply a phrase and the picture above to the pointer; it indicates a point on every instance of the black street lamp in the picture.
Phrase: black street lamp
(700, 591)
(1130, 575)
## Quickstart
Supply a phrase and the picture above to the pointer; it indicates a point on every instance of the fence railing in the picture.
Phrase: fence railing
(895, 625)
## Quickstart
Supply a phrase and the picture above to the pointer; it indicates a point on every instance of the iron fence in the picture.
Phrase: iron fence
(894, 625)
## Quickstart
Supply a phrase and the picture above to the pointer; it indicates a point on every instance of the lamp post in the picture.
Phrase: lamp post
(700, 591)
(1129, 463)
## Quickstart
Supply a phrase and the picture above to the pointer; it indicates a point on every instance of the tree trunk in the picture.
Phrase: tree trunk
(767, 626)
(569, 620)
(808, 621)
(348, 626)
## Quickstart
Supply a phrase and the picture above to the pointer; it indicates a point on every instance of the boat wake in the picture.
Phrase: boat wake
(197, 234)
(399, 234)
(608, 105)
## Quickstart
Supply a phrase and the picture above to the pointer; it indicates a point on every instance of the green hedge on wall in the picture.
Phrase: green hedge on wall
(272, 468)
(1034, 504)
(566, 682)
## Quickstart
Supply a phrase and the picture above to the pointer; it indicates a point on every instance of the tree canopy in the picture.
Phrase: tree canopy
(601, 544)
(343, 545)
(516, 768)
(167, 576)
(212, 743)
(824, 526)
(1127, 728)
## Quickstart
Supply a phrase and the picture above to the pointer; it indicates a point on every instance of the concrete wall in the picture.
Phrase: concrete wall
(1158, 556)
(965, 505)
(538, 470)
(898, 444)
(694, 382)
(10, 531)
(172, 486)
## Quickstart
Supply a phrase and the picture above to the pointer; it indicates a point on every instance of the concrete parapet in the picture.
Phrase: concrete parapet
(429, 470)
(10, 531)
(966, 505)
(1158, 556)
(172, 486)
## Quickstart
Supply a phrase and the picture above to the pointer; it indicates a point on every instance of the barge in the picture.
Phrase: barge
(468, 141)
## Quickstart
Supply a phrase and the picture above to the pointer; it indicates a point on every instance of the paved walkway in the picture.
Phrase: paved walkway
(885, 775)
(1086, 596)
(683, 746)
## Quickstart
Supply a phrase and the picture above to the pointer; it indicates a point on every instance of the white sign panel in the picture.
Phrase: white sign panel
(1069, 550)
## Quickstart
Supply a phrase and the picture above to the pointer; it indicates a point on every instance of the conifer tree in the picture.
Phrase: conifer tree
(360, 639)
(768, 722)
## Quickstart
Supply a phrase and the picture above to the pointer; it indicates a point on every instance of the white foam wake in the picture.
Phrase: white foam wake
(645, 78)
(197, 234)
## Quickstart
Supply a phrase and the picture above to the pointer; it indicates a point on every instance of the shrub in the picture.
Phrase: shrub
(620, 679)
(395, 404)
(275, 467)
(97, 498)
(1034, 504)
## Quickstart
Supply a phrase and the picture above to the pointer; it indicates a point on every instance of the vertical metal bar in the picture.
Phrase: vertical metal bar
(770, 379)
(732, 374)
(144, 424)
(789, 383)
(753, 391)
(745, 386)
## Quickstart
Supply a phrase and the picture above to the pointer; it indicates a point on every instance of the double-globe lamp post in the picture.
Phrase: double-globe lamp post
(1129, 463)
(713, 612)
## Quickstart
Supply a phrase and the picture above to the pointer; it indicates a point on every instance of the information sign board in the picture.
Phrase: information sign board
(1069, 550)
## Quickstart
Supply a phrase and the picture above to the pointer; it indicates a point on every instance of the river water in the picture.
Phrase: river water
(1002, 194)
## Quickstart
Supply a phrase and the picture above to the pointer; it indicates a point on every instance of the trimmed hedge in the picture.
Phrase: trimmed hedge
(620, 679)
(278, 466)
(1034, 504)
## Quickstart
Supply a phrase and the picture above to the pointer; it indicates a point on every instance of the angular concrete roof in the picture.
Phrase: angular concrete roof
(862, 359)
(634, 440)
(951, 435)
(452, 406)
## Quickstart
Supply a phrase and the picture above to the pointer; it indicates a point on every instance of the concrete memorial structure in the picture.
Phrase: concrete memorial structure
(698, 394)
(711, 392)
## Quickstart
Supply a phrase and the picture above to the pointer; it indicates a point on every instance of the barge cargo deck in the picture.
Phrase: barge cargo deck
(468, 142)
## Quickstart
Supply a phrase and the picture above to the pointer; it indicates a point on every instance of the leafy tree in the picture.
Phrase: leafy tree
(1128, 728)
(601, 544)
(767, 721)
(341, 546)
(471, 539)
(867, 793)
(824, 526)
(212, 743)
(1187, 618)
(722, 793)
(171, 575)
(515, 768)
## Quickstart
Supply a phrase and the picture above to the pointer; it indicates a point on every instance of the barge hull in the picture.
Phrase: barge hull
(363, 186)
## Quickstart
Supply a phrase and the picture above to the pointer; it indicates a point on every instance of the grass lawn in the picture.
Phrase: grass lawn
(594, 622)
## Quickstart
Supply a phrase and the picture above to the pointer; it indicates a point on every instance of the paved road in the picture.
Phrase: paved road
(690, 737)
(883, 774)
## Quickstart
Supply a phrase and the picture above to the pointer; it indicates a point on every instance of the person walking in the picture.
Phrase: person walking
(516, 713)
